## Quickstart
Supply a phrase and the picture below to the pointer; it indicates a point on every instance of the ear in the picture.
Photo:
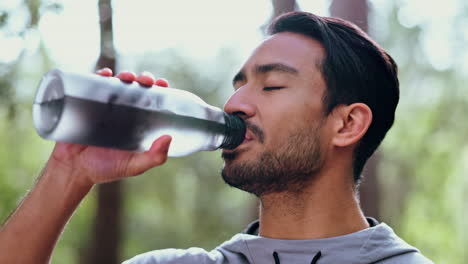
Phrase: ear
(351, 123)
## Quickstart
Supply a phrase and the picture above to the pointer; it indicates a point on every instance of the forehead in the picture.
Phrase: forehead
(293, 49)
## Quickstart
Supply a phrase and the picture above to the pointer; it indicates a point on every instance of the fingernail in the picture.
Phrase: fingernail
(161, 82)
(169, 138)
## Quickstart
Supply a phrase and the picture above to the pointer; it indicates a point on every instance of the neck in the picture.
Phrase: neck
(327, 207)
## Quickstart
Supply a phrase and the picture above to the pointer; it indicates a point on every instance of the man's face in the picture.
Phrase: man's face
(279, 93)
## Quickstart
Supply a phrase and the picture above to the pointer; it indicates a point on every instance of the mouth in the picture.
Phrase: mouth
(247, 139)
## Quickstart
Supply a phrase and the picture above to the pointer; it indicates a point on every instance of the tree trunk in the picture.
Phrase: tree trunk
(105, 245)
(356, 11)
(280, 7)
(106, 237)
(369, 189)
(283, 6)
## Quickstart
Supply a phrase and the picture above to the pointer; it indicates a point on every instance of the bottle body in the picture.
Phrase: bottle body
(103, 111)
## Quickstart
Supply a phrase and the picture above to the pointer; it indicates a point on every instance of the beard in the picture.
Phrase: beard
(287, 169)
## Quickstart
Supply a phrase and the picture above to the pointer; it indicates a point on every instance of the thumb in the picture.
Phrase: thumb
(155, 156)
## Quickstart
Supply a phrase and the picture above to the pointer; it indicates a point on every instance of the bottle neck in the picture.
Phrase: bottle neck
(234, 131)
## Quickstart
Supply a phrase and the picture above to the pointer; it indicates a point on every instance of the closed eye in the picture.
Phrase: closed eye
(271, 88)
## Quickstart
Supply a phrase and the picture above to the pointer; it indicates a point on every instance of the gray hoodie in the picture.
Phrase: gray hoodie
(377, 244)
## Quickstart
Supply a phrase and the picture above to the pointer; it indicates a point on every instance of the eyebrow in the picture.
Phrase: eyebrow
(277, 67)
(239, 77)
(266, 68)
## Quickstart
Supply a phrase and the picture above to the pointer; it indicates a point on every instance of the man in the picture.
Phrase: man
(318, 97)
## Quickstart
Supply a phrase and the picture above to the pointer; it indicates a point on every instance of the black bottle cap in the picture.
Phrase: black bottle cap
(234, 131)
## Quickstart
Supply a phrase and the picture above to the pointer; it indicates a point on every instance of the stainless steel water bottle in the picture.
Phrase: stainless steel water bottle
(104, 111)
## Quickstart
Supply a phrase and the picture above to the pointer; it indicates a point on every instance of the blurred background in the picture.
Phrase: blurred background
(416, 182)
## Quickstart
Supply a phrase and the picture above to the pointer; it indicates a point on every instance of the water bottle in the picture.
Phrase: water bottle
(104, 111)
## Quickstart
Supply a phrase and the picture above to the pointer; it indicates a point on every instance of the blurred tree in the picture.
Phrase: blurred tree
(356, 12)
(280, 7)
(9, 69)
(283, 6)
(107, 236)
(19, 28)
(425, 187)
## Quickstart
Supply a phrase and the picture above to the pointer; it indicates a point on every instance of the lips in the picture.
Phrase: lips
(248, 136)
(253, 133)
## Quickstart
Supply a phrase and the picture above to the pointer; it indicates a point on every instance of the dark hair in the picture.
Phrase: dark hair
(355, 69)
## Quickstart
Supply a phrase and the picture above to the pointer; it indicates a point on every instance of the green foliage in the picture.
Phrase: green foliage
(423, 173)
(185, 203)
(3, 18)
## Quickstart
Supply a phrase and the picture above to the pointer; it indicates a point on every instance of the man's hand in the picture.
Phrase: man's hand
(96, 164)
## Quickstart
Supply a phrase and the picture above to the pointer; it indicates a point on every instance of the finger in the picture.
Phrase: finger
(161, 82)
(146, 78)
(107, 72)
(155, 156)
(127, 76)
(161, 145)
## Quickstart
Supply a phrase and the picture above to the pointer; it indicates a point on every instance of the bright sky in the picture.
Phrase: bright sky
(198, 29)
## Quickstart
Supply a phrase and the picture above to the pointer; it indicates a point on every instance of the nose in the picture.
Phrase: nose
(240, 104)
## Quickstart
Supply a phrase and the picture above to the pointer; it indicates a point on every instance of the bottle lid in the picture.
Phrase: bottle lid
(234, 133)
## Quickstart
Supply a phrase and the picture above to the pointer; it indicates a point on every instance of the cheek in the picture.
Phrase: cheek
(280, 132)
(288, 115)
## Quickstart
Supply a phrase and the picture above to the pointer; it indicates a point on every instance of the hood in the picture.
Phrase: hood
(370, 245)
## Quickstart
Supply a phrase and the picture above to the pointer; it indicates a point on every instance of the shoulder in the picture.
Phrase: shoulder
(177, 256)
(408, 258)
(384, 246)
